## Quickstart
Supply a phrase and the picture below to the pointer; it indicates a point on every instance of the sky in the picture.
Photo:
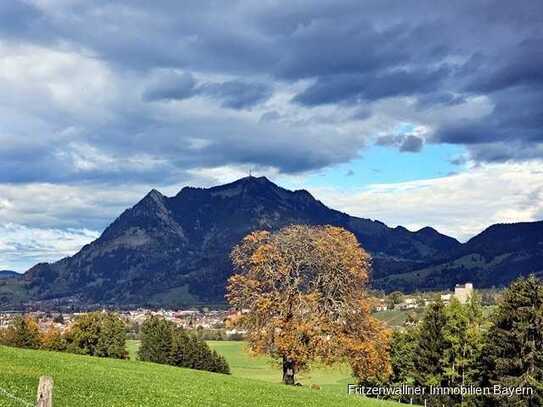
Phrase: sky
(415, 113)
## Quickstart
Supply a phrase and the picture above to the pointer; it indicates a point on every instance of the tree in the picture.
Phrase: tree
(156, 340)
(23, 332)
(393, 299)
(455, 334)
(52, 339)
(163, 342)
(303, 287)
(431, 346)
(98, 334)
(402, 347)
(475, 339)
(513, 353)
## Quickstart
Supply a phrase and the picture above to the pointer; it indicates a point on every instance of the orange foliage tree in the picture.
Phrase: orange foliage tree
(301, 291)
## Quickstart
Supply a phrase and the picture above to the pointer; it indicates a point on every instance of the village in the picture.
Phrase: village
(215, 324)
(399, 301)
(207, 321)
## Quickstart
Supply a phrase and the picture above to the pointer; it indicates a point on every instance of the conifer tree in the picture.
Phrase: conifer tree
(475, 338)
(181, 353)
(513, 354)
(430, 347)
(455, 334)
(402, 346)
(163, 342)
(156, 340)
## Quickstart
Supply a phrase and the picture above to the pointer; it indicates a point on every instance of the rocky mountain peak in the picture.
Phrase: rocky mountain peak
(176, 250)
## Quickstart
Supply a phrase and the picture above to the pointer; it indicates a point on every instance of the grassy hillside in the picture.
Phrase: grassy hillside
(332, 380)
(86, 381)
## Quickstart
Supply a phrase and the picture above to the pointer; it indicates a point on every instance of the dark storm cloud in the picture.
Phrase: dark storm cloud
(512, 130)
(237, 94)
(355, 88)
(349, 54)
(170, 85)
(231, 94)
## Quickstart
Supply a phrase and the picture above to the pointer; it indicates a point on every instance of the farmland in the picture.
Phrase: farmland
(83, 380)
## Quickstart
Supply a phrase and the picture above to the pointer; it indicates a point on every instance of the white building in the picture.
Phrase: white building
(408, 303)
(462, 292)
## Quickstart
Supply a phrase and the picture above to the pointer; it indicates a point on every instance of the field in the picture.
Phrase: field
(331, 380)
(89, 381)
(396, 318)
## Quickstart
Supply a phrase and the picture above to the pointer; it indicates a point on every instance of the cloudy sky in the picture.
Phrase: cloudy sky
(412, 112)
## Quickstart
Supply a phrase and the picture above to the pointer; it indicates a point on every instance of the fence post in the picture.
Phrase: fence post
(45, 392)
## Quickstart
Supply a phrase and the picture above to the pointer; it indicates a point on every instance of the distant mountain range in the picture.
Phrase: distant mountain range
(175, 250)
(493, 258)
(8, 274)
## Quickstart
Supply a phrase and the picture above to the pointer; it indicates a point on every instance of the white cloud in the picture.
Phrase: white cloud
(460, 205)
(22, 246)
(43, 205)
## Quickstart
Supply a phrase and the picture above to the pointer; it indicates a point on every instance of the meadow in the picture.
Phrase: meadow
(91, 381)
(242, 364)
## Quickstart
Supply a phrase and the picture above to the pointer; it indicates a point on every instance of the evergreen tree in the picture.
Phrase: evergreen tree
(513, 353)
(181, 352)
(431, 347)
(163, 342)
(475, 338)
(156, 340)
(455, 335)
(402, 348)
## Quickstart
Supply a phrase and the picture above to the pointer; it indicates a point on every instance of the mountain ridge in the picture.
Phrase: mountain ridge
(492, 258)
(175, 250)
(9, 274)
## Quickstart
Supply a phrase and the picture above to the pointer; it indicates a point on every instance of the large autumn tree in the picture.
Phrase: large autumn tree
(302, 292)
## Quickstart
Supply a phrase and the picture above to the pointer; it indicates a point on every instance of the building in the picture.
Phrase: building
(408, 303)
(446, 298)
(462, 292)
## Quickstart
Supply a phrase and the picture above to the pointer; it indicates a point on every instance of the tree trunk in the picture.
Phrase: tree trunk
(288, 371)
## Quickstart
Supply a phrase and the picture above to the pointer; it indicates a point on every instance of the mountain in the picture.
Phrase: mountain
(175, 250)
(8, 274)
(493, 258)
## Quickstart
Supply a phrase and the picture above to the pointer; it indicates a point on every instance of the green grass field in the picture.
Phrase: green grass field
(331, 380)
(90, 381)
